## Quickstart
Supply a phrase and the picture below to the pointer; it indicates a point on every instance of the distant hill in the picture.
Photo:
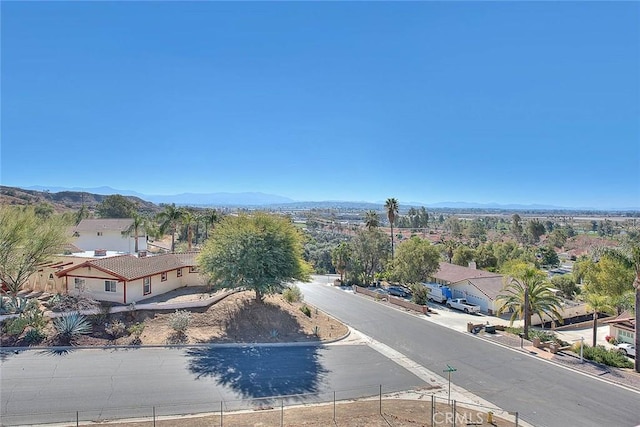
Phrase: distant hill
(64, 200)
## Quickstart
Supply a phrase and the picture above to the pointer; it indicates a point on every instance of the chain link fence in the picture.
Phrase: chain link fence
(375, 406)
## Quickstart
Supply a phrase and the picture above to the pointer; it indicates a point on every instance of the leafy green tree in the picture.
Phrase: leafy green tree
(340, 257)
(261, 252)
(557, 238)
(416, 261)
(527, 293)
(392, 208)
(516, 227)
(548, 256)
(598, 304)
(116, 206)
(566, 284)
(26, 242)
(82, 213)
(169, 219)
(454, 226)
(370, 251)
(44, 210)
(485, 258)
(535, 229)
(371, 220)
(610, 274)
(463, 255)
(477, 230)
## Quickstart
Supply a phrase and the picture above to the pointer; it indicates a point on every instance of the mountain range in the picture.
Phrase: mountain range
(273, 200)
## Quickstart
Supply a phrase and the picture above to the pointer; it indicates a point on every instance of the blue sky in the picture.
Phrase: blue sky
(507, 102)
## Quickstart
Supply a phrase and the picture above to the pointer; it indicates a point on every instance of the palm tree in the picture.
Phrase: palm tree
(169, 219)
(139, 222)
(371, 219)
(527, 293)
(210, 218)
(630, 254)
(599, 304)
(187, 218)
(340, 258)
(391, 206)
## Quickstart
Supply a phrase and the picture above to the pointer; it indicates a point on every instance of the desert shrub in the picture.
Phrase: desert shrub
(62, 303)
(180, 321)
(306, 310)
(292, 294)
(609, 357)
(136, 331)
(543, 335)
(116, 329)
(10, 305)
(16, 325)
(70, 326)
(420, 294)
(34, 336)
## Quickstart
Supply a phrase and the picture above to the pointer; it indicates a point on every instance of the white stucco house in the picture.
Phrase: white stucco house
(108, 234)
(477, 286)
(127, 278)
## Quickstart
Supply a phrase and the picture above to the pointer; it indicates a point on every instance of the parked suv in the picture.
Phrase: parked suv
(398, 291)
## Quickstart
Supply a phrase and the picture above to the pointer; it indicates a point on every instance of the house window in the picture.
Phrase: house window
(99, 233)
(50, 275)
(179, 272)
(193, 269)
(163, 277)
(146, 286)
(109, 285)
(78, 283)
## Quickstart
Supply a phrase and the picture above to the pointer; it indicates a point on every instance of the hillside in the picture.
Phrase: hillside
(65, 200)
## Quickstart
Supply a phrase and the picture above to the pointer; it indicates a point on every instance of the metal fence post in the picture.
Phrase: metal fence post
(154, 416)
(454, 413)
(77, 418)
(221, 413)
(380, 399)
(282, 413)
(334, 406)
(516, 418)
(433, 409)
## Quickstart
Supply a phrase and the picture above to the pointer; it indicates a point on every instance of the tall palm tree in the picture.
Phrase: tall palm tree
(599, 304)
(139, 223)
(187, 219)
(169, 219)
(391, 206)
(371, 219)
(210, 218)
(527, 293)
(630, 254)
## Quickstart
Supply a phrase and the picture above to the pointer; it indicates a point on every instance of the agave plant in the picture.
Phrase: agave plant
(70, 326)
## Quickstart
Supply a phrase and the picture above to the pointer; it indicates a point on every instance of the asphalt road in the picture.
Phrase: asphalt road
(47, 387)
(544, 394)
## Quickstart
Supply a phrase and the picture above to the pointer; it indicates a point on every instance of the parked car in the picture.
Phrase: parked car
(398, 291)
(627, 349)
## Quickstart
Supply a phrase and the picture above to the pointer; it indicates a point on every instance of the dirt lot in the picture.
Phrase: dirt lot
(364, 413)
(236, 318)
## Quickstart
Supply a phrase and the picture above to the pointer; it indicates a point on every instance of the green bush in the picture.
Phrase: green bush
(609, 357)
(306, 310)
(292, 294)
(420, 294)
(16, 325)
(34, 336)
(136, 329)
(180, 321)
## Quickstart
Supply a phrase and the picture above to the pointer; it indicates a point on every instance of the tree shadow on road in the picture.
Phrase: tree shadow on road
(262, 371)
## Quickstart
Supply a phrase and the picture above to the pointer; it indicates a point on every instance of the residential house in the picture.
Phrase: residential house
(126, 278)
(108, 234)
(623, 327)
(477, 286)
